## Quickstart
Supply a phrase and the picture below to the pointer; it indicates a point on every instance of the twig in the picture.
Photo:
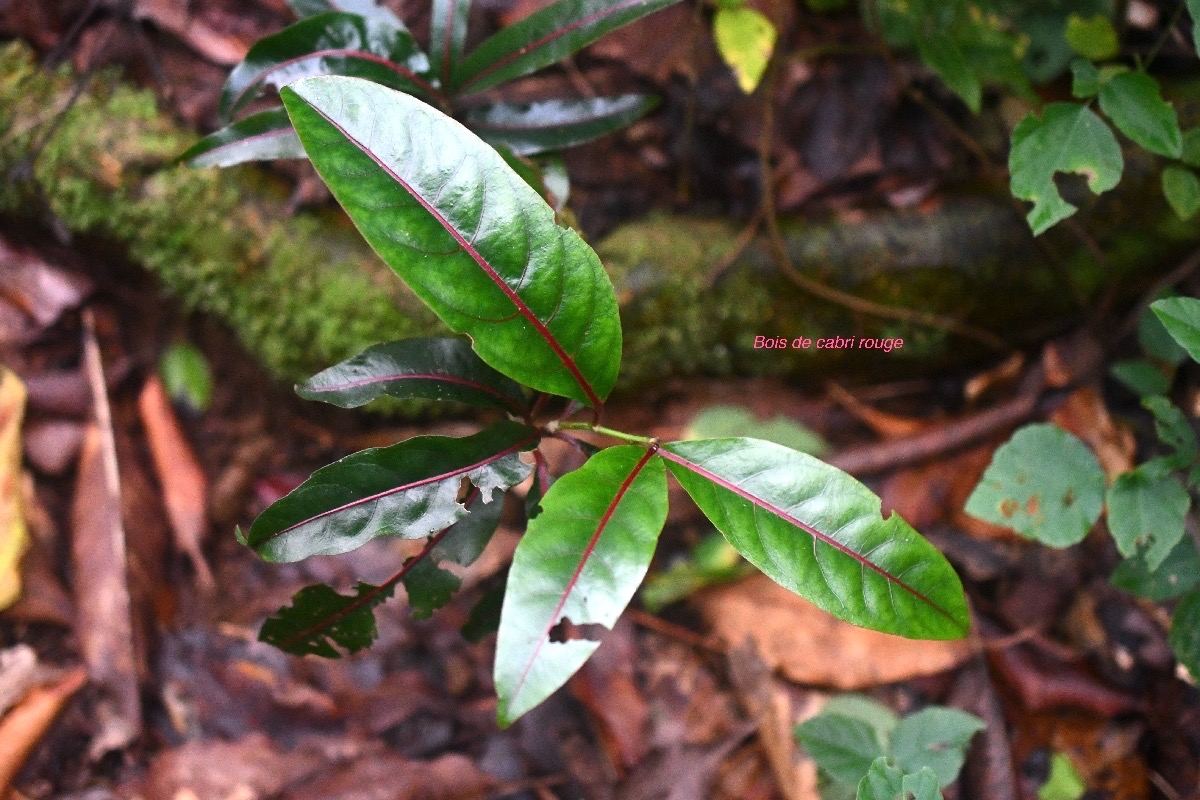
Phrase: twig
(673, 631)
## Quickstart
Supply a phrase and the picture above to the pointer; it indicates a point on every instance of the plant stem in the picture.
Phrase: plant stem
(587, 426)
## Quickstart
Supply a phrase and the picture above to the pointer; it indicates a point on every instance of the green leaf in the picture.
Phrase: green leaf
(1085, 79)
(745, 39)
(818, 532)
(544, 37)
(1178, 573)
(364, 8)
(1173, 429)
(186, 376)
(845, 747)
(1043, 483)
(408, 490)
(1068, 137)
(1141, 377)
(429, 587)
(447, 35)
(1185, 632)
(329, 44)
(265, 136)
(1146, 514)
(858, 706)
(1133, 102)
(437, 368)
(1064, 782)
(530, 128)
(942, 53)
(1156, 342)
(319, 618)
(1181, 317)
(532, 295)
(721, 422)
(1191, 147)
(1092, 37)
(936, 739)
(884, 781)
(1193, 7)
(581, 560)
(1181, 187)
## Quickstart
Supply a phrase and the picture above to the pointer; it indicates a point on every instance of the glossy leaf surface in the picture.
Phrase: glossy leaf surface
(320, 620)
(581, 560)
(408, 490)
(364, 8)
(329, 44)
(1133, 102)
(818, 532)
(436, 368)
(530, 128)
(422, 189)
(1068, 137)
(545, 37)
(1043, 483)
(264, 136)
(447, 35)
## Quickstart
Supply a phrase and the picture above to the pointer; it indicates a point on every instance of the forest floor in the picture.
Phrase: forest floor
(697, 700)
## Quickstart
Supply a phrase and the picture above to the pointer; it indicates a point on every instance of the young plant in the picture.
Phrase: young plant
(1046, 485)
(538, 316)
(360, 38)
(866, 752)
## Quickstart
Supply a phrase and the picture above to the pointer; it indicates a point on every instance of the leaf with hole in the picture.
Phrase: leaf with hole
(818, 532)
(1146, 513)
(264, 136)
(1181, 317)
(320, 621)
(545, 37)
(408, 490)
(442, 368)
(540, 126)
(422, 189)
(1067, 137)
(1043, 483)
(335, 43)
(1132, 100)
(581, 561)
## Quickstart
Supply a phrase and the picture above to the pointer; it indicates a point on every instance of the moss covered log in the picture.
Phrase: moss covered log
(304, 291)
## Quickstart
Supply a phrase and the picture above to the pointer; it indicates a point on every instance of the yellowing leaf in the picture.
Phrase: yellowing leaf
(12, 519)
(746, 40)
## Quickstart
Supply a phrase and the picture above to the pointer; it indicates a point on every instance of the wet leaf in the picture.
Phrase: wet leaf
(408, 490)
(1146, 513)
(1133, 102)
(265, 136)
(544, 125)
(745, 39)
(436, 368)
(818, 532)
(581, 560)
(1044, 484)
(533, 296)
(1181, 317)
(13, 534)
(1067, 137)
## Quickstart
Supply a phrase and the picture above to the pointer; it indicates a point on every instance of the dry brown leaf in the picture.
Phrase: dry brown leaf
(811, 647)
(185, 488)
(1085, 415)
(607, 689)
(41, 291)
(252, 768)
(174, 17)
(13, 535)
(22, 728)
(387, 776)
(52, 445)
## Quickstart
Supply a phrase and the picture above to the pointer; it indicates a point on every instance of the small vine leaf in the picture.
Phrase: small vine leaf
(1177, 575)
(370, 9)
(1173, 430)
(1185, 632)
(443, 368)
(1068, 137)
(1146, 514)
(845, 747)
(532, 295)
(546, 37)
(580, 561)
(1140, 377)
(334, 43)
(936, 739)
(884, 781)
(544, 125)
(1132, 100)
(1093, 37)
(1086, 80)
(1181, 317)
(265, 136)
(320, 620)
(1043, 483)
(942, 52)
(447, 35)
(745, 39)
(408, 490)
(818, 532)
(1181, 187)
